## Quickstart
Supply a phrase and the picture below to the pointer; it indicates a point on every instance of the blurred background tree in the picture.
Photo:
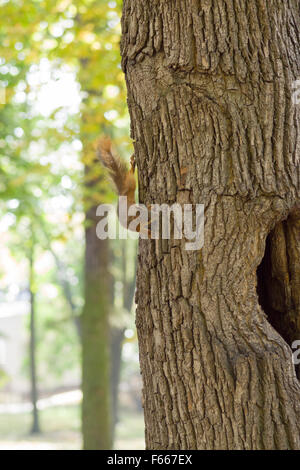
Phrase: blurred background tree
(60, 68)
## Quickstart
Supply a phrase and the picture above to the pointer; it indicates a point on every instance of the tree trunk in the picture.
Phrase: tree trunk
(117, 334)
(35, 429)
(116, 343)
(96, 410)
(209, 93)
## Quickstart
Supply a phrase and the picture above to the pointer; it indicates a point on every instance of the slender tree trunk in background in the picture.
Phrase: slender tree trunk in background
(97, 421)
(66, 288)
(117, 334)
(96, 406)
(116, 343)
(34, 392)
(209, 93)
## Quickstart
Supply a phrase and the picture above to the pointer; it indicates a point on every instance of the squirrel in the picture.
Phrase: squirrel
(122, 177)
(147, 223)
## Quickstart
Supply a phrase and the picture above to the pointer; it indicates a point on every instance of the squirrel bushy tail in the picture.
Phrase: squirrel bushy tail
(123, 179)
(116, 166)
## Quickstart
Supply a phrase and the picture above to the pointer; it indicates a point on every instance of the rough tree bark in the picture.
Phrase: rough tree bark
(209, 93)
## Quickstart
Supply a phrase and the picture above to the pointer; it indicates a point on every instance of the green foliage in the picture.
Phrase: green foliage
(81, 38)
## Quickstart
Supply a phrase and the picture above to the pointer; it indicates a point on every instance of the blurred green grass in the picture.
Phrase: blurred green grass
(60, 427)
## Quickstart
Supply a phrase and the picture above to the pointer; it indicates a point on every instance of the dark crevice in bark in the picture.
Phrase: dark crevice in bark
(264, 279)
(275, 283)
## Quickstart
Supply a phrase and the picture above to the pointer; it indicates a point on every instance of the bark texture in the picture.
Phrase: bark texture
(209, 93)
